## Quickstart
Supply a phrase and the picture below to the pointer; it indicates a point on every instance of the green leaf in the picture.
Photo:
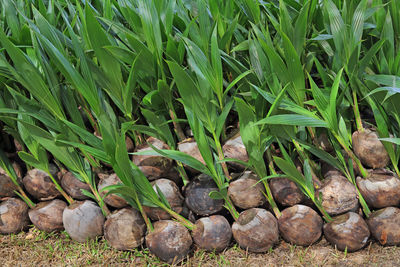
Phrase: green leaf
(293, 119)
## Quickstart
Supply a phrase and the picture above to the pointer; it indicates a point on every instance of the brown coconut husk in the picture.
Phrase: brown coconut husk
(246, 192)
(347, 231)
(300, 225)
(369, 149)
(339, 195)
(125, 229)
(39, 184)
(170, 241)
(197, 196)
(13, 216)
(380, 189)
(174, 197)
(73, 186)
(212, 233)
(7, 186)
(235, 149)
(153, 167)
(256, 230)
(48, 216)
(384, 225)
(112, 199)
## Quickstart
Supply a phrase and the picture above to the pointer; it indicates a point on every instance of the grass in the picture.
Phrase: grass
(37, 248)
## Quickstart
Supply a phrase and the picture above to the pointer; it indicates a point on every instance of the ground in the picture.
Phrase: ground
(36, 248)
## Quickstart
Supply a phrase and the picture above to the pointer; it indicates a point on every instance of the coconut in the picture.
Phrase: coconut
(171, 192)
(285, 192)
(384, 225)
(300, 225)
(380, 189)
(83, 220)
(170, 241)
(324, 142)
(189, 146)
(212, 233)
(256, 230)
(13, 216)
(39, 184)
(73, 186)
(369, 149)
(246, 192)
(125, 229)
(235, 149)
(153, 167)
(112, 199)
(48, 216)
(338, 195)
(7, 186)
(348, 230)
(197, 196)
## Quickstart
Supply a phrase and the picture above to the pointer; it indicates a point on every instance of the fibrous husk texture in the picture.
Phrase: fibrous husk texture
(247, 192)
(369, 149)
(170, 241)
(125, 229)
(256, 230)
(13, 216)
(348, 232)
(48, 216)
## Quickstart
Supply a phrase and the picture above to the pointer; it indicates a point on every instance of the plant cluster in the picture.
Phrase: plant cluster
(178, 121)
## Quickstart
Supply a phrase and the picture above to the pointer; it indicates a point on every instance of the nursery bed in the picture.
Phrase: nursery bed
(40, 249)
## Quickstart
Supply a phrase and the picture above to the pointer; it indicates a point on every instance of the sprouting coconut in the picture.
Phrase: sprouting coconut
(348, 230)
(300, 225)
(212, 233)
(170, 241)
(189, 146)
(384, 225)
(83, 220)
(125, 229)
(73, 186)
(7, 187)
(235, 149)
(13, 216)
(369, 149)
(380, 189)
(171, 192)
(328, 170)
(338, 195)
(286, 192)
(39, 184)
(48, 216)
(246, 192)
(256, 230)
(153, 167)
(112, 199)
(197, 196)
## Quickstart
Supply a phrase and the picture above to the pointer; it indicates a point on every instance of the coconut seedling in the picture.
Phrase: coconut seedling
(347, 232)
(10, 172)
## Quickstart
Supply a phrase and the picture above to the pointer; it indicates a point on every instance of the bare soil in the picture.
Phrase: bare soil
(36, 248)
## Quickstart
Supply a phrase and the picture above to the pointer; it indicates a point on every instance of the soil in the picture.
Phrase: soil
(36, 248)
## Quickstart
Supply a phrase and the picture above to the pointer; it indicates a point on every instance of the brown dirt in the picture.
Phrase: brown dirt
(36, 248)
